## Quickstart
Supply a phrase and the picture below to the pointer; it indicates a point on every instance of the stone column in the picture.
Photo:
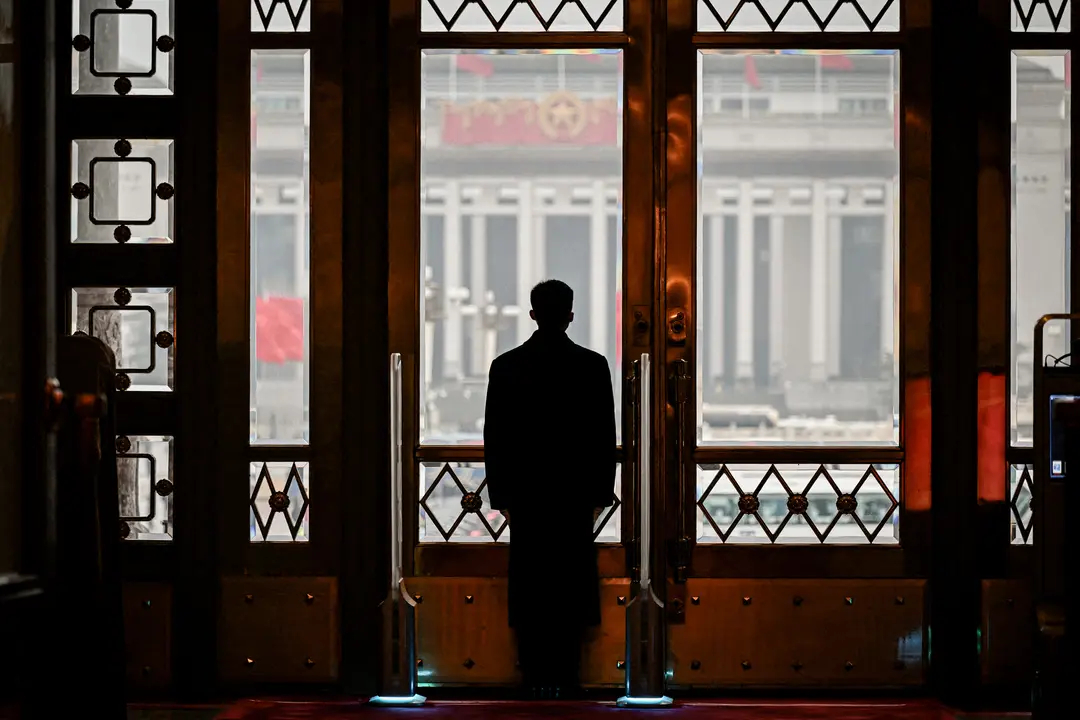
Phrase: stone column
(890, 260)
(526, 256)
(478, 291)
(452, 277)
(600, 317)
(744, 317)
(714, 287)
(819, 247)
(776, 295)
(836, 282)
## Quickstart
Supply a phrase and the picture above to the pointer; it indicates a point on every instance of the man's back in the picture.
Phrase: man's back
(550, 414)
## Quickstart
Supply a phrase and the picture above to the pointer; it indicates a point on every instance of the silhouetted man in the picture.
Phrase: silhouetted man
(549, 450)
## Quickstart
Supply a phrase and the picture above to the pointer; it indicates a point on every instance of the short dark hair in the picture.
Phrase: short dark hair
(552, 303)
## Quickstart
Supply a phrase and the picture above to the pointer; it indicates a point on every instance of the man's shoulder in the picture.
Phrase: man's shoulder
(508, 358)
(590, 356)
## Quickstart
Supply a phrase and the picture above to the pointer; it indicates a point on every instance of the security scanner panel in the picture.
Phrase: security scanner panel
(1056, 474)
(1063, 413)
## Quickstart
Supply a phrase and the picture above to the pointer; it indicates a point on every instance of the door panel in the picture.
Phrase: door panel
(751, 185)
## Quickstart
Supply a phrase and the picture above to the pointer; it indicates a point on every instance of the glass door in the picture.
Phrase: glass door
(734, 189)
(791, 201)
(521, 150)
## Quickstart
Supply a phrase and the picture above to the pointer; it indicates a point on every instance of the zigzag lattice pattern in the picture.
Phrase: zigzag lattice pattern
(521, 15)
(1041, 15)
(799, 15)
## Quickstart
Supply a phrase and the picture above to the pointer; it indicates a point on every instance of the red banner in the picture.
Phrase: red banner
(560, 119)
(279, 330)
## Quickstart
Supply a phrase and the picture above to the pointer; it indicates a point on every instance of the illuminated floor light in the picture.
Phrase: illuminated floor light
(642, 702)
(397, 701)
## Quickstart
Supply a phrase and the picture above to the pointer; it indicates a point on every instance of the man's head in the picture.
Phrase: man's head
(552, 305)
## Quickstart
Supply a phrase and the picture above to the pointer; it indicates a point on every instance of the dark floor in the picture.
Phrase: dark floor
(482, 710)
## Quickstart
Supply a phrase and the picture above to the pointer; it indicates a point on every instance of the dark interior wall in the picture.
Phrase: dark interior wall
(11, 292)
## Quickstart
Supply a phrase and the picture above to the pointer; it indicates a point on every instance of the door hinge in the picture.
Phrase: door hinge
(680, 551)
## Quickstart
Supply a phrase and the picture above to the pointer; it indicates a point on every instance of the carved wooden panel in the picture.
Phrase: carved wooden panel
(1007, 628)
(148, 634)
(855, 633)
(463, 637)
(277, 629)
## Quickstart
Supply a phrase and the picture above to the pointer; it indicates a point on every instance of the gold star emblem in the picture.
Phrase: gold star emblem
(562, 116)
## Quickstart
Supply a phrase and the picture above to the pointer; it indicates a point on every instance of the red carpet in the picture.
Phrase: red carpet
(688, 710)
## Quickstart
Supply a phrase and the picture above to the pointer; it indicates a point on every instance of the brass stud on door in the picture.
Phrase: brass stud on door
(796, 666)
(621, 600)
(469, 599)
(146, 604)
(249, 662)
(695, 664)
(621, 665)
(849, 666)
(899, 599)
(849, 601)
(249, 598)
(309, 599)
(747, 600)
(746, 665)
(797, 601)
(695, 600)
(469, 664)
(146, 670)
(309, 663)
(419, 662)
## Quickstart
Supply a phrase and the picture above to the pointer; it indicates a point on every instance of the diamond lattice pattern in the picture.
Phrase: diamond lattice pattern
(454, 507)
(521, 15)
(279, 502)
(797, 504)
(1020, 503)
(1041, 16)
(799, 15)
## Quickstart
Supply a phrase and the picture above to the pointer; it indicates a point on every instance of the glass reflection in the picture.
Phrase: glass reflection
(798, 248)
(521, 181)
(1041, 243)
(280, 246)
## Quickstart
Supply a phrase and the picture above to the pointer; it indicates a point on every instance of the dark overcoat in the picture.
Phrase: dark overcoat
(549, 452)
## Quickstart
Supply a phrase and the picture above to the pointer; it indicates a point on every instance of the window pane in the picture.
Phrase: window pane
(279, 246)
(522, 174)
(799, 504)
(1040, 218)
(1021, 487)
(137, 324)
(1041, 16)
(798, 248)
(799, 15)
(280, 498)
(122, 50)
(280, 15)
(521, 15)
(122, 191)
(145, 475)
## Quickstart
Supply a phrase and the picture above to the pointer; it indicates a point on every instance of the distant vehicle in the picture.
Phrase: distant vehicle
(740, 415)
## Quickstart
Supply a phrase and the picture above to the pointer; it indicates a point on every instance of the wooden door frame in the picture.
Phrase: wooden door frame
(680, 214)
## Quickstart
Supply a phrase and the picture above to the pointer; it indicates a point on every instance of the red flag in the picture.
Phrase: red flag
(836, 62)
(476, 64)
(752, 78)
(279, 330)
